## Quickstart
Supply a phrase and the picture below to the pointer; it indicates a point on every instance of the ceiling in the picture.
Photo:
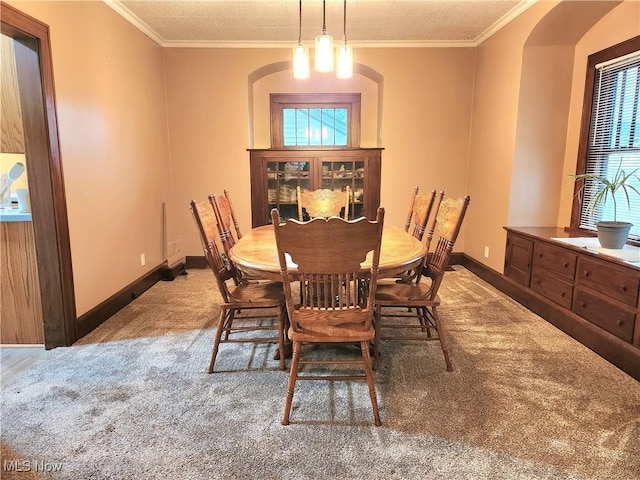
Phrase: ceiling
(274, 23)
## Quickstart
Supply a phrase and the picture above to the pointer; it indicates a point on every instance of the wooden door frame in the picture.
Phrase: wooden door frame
(44, 169)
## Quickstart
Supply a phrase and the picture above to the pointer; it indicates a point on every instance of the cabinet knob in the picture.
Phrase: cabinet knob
(583, 305)
(562, 294)
(620, 323)
(586, 273)
(565, 264)
(623, 288)
(540, 255)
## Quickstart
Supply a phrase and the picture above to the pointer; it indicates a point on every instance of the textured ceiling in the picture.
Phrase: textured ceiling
(268, 23)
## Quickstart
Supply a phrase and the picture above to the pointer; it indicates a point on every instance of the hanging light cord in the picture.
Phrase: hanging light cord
(300, 25)
(324, 25)
(345, 21)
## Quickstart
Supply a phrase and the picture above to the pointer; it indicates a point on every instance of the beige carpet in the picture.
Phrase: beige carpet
(132, 400)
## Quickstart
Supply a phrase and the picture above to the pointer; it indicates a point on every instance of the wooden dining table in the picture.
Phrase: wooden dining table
(256, 253)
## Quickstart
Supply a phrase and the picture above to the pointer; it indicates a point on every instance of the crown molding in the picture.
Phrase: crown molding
(135, 21)
(143, 27)
(513, 13)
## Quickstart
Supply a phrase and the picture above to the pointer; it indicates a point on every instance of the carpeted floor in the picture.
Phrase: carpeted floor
(132, 400)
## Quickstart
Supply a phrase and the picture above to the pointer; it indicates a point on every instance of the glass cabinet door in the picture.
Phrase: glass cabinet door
(283, 177)
(340, 173)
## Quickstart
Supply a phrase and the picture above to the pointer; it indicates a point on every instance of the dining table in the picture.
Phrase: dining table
(256, 253)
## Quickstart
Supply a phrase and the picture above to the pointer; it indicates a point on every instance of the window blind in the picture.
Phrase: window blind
(614, 142)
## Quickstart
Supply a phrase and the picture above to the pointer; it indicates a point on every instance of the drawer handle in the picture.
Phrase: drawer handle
(562, 294)
(620, 323)
(565, 264)
(583, 305)
(623, 288)
(540, 255)
(586, 273)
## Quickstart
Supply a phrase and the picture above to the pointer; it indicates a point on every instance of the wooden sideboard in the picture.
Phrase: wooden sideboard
(593, 297)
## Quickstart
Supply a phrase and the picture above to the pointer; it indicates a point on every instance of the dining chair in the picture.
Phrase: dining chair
(263, 300)
(331, 307)
(422, 208)
(323, 203)
(225, 218)
(400, 304)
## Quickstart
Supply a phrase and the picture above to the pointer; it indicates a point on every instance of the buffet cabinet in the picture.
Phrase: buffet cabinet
(591, 296)
(276, 173)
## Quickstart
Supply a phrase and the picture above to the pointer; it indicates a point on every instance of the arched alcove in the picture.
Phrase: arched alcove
(366, 80)
(543, 110)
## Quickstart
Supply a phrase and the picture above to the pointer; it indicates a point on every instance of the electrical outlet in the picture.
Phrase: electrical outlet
(143, 260)
(486, 252)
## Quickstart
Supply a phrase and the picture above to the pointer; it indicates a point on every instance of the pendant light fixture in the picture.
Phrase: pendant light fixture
(324, 47)
(344, 67)
(300, 54)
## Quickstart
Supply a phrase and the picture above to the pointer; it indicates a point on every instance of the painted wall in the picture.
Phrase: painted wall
(114, 143)
(525, 96)
(425, 124)
(467, 120)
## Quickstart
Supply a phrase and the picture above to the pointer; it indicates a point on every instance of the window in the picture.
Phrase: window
(610, 136)
(315, 120)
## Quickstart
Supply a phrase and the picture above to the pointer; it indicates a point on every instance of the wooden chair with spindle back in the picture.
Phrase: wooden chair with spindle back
(323, 203)
(423, 207)
(331, 308)
(225, 218)
(265, 299)
(420, 297)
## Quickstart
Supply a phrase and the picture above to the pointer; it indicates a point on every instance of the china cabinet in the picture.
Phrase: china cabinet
(275, 174)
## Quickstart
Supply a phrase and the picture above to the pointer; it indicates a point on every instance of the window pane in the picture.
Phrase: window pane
(341, 126)
(614, 144)
(302, 126)
(314, 126)
(328, 135)
(289, 126)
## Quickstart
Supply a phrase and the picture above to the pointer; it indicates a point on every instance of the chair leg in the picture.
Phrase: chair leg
(423, 317)
(222, 322)
(377, 321)
(228, 323)
(293, 375)
(443, 339)
(364, 346)
(281, 326)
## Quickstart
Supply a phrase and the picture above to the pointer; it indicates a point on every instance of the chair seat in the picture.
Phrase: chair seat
(332, 334)
(257, 294)
(405, 294)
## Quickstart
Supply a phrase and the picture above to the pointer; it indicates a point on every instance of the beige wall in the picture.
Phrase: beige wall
(525, 90)
(485, 121)
(113, 140)
(426, 102)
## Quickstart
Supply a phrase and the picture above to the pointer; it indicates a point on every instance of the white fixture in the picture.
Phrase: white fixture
(324, 47)
(344, 66)
(300, 54)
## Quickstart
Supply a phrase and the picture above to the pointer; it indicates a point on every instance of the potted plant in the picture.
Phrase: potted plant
(611, 233)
